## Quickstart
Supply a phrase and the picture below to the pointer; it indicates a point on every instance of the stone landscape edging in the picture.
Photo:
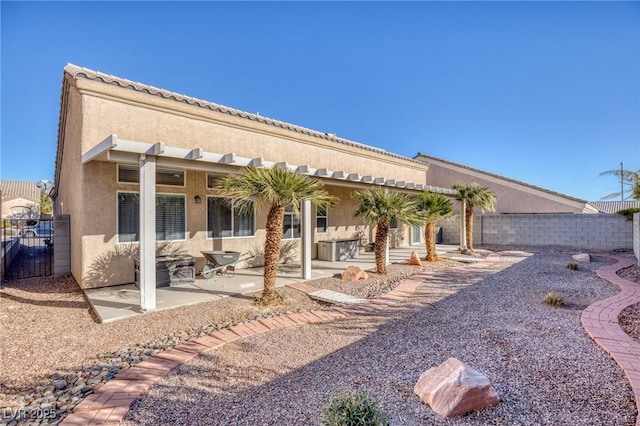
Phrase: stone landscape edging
(110, 402)
(600, 320)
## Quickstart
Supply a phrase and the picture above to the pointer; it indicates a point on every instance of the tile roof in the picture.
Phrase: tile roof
(548, 191)
(18, 189)
(77, 72)
(614, 206)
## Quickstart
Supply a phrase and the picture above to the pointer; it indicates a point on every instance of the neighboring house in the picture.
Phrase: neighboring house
(512, 196)
(124, 145)
(20, 200)
(614, 206)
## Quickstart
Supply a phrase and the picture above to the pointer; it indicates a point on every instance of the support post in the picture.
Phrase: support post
(147, 277)
(306, 239)
(463, 229)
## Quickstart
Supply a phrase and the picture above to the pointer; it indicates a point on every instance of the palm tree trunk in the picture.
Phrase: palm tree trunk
(430, 241)
(382, 232)
(272, 244)
(468, 220)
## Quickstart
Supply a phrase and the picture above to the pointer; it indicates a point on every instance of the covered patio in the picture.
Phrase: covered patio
(123, 301)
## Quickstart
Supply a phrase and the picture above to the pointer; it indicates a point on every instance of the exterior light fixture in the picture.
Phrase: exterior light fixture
(198, 199)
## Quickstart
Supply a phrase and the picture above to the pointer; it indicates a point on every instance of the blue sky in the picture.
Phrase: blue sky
(543, 92)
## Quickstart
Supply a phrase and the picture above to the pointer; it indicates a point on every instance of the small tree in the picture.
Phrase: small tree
(276, 189)
(46, 204)
(432, 208)
(380, 207)
(474, 196)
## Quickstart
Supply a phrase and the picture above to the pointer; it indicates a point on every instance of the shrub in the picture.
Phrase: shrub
(354, 409)
(572, 266)
(628, 213)
(554, 299)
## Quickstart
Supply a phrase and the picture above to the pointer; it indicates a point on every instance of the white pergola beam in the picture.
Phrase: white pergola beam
(305, 242)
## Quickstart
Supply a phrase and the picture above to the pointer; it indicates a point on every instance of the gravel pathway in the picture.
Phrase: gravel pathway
(491, 316)
(629, 318)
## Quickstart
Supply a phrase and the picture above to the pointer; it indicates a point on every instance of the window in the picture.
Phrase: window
(167, 177)
(393, 224)
(170, 217)
(322, 221)
(291, 224)
(212, 180)
(224, 221)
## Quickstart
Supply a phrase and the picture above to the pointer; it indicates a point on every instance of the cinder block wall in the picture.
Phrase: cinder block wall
(61, 245)
(585, 231)
(636, 236)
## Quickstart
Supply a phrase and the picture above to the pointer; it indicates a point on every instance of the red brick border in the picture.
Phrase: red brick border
(111, 401)
(600, 320)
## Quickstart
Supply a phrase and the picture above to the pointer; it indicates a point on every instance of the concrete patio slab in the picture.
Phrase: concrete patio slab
(123, 301)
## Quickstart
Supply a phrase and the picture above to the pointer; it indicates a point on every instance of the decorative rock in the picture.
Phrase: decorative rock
(453, 388)
(415, 259)
(60, 384)
(582, 257)
(354, 273)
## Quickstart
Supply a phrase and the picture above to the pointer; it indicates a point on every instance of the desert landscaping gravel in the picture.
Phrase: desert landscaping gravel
(54, 352)
(491, 316)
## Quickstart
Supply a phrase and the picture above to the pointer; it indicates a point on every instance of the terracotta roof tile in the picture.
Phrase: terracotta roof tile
(78, 72)
(19, 189)
(548, 191)
(614, 206)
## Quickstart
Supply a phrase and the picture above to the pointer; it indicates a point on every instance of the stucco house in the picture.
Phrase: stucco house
(513, 196)
(136, 168)
(20, 199)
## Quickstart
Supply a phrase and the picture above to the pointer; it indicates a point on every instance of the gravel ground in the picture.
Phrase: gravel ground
(54, 351)
(491, 316)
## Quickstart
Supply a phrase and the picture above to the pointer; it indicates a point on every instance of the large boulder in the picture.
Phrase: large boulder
(453, 388)
(354, 273)
(582, 257)
(415, 259)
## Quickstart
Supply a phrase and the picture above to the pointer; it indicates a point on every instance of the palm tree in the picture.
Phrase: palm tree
(276, 189)
(474, 196)
(629, 181)
(432, 207)
(380, 207)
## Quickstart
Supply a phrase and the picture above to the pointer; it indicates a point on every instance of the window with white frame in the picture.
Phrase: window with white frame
(166, 177)
(322, 221)
(223, 220)
(291, 224)
(170, 217)
(212, 180)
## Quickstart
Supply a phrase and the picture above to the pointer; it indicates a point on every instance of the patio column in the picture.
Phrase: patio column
(463, 229)
(305, 241)
(147, 277)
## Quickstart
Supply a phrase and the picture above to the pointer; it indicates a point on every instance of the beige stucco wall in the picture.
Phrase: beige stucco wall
(511, 197)
(18, 204)
(146, 118)
(88, 193)
(69, 180)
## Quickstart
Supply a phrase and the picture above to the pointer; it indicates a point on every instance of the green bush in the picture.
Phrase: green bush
(628, 213)
(354, 409)
(554, 299)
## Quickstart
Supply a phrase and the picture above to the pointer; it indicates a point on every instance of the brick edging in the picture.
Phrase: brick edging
(110, 402)
(600, 320)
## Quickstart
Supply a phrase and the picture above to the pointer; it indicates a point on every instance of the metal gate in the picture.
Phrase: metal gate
(27, 248)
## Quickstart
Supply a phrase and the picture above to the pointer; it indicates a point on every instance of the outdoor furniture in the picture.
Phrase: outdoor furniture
(171, 270)
(221, 262)
(341, 249)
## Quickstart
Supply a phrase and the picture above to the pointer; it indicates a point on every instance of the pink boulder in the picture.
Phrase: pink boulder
(354, 273)
(415, 259)
(453, 388)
